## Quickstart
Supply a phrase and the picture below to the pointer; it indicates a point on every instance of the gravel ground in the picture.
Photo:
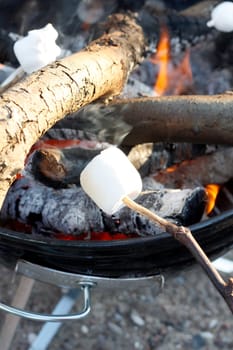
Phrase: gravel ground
(187, 314)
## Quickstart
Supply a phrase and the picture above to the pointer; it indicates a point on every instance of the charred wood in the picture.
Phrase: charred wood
(223, 50)
(150, 158)
(214, 168)
(184, 30)
(58, 168)
(65, 210)
(20, 16)
(6, 48)
(95, 125)
(179, 5)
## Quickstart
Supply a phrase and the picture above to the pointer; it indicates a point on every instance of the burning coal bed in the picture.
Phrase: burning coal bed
(180, 180)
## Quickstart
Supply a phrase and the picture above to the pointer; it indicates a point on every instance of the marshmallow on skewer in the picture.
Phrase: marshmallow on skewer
(37, 49)
(109, 178)
(222, 17)
(34, 51)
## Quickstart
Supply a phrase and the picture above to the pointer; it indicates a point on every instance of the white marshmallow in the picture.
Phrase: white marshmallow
(222, 17)
(37, 49)
(108, 178)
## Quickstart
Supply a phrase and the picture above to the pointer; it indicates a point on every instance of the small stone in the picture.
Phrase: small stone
(207, 336)
(180, 280)
(118, 317)
(123, 307)
(198, 342)
(213, 323)
(136, 318)
(31, 337)
(138, 345)
(115, 328)
(84, 329)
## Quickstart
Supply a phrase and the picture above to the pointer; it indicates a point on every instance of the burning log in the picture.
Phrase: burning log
(195, 119)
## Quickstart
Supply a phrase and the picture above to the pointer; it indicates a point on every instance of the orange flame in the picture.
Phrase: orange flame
(171, 79)
(212, 191)
(162, 58)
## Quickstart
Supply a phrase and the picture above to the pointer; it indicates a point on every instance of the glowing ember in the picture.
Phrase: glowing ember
(172, 79)
(212, 192)
(96, 236)
(17, 226)
(54, 143)
(171, 169)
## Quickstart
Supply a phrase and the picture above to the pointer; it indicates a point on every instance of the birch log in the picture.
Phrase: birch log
(31, 107)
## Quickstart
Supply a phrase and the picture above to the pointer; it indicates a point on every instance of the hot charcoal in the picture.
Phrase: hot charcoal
(71, 211)
(49, 198)
(213, 168)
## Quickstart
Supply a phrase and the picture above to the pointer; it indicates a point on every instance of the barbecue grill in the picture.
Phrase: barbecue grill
(134, 257)
(89, 264)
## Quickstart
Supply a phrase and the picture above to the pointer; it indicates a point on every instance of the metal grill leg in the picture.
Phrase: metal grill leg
(49, 330)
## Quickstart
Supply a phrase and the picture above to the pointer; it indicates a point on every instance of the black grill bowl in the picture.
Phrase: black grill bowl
(135, 257)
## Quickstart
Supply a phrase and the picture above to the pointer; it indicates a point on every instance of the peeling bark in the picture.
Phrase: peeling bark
(32, 106)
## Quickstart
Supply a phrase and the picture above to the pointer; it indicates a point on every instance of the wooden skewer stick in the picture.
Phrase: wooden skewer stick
(184, 236)
(12, 79)
(112, 182)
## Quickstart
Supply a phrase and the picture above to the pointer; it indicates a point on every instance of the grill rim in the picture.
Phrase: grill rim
(134, 257)
(40, 239)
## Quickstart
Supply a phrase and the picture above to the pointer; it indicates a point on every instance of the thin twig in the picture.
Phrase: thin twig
(12, 79)
(184, 236)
